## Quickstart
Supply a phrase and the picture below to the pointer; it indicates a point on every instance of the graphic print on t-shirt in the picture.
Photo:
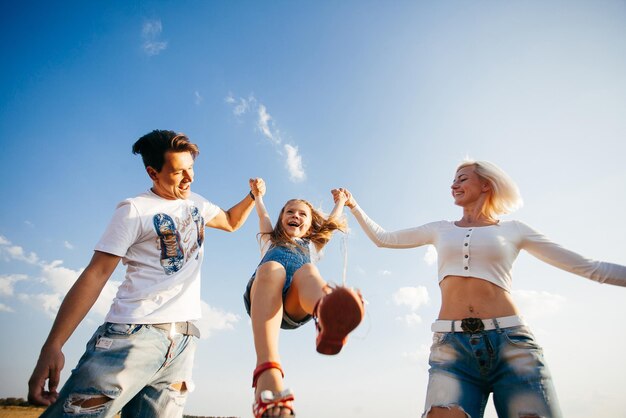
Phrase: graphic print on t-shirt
(179, 239)
(169, 240)
(199, 220)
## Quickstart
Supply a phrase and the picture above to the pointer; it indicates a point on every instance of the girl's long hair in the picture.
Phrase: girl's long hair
(319, 233)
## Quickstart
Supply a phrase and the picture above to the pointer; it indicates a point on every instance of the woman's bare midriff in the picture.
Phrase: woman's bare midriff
(471, 297)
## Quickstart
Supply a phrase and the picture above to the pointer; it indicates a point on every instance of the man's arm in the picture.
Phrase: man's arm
(233, 218)
(75, 306)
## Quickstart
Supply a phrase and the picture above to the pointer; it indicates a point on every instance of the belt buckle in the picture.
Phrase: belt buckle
(472, 325)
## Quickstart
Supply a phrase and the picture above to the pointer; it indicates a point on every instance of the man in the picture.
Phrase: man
(139, 361)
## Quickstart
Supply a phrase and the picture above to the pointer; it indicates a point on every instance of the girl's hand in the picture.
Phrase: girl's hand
(257, 186)
(339, 196)
(344, 195)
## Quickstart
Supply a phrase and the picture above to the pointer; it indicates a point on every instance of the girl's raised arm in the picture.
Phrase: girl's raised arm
(340, 198)
(265, 222)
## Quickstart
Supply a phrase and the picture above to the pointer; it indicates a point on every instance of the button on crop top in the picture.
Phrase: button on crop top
(488, 252)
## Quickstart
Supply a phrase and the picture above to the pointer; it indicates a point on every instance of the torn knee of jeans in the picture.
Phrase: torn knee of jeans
(179, 386)
(86, 403)
(448, 407)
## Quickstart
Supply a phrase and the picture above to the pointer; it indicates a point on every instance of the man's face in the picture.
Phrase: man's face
(175, 178)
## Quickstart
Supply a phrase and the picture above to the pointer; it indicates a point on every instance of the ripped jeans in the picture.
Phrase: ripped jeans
(465, 368)
(135, 369)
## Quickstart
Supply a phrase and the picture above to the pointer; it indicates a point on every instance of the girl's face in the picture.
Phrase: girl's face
(296, 219)
(468, 187)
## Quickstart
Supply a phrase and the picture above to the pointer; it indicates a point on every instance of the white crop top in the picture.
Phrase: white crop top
(488, 252)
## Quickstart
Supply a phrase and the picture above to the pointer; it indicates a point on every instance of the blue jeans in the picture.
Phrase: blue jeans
(135, 369)
(465, 368)
(291, 259)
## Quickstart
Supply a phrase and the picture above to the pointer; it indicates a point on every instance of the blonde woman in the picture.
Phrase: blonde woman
(481, 344)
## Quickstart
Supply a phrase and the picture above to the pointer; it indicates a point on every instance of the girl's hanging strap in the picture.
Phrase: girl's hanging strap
(344, 250)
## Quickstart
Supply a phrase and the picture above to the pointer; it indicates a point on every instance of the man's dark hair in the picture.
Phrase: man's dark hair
(154, 145)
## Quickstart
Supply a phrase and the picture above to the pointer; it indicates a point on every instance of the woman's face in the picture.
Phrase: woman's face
(468, 187)
(296, 219)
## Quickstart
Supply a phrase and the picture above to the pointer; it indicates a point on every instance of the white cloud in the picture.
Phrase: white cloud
(410, 319)
(60, 279)
(53, 281)
(264, 123)
(68, 245)
(384, 272)
(48, 303)
(215, 319)
(29, 224)
(150, 33)
(294, 164)
(5, 308)
(16, 252)
(57, 277)
(198, 97)
(431, 255)
(241, 105)
(413, 297)
(419, 356)
(538, 304)
(7, 283)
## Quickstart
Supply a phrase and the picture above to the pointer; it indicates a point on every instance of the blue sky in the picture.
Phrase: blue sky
(384, 98)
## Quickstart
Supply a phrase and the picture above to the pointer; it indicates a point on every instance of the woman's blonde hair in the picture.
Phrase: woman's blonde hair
(319, 233)
(504, 196)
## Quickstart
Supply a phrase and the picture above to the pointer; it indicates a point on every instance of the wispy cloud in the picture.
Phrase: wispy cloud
(215, 319)
(198, 97)
(68, 245)
(410, 319)
(413, 298)
(264, 123)
(5, 308)
(419, 356)
(431, 255)
(538, 304)
(7, 283)
(384, 273)
(241, 105)
(150, 34)
(294, 164)
(54, 280)
(15, 252)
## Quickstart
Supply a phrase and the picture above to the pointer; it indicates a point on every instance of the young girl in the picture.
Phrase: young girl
(287, 290)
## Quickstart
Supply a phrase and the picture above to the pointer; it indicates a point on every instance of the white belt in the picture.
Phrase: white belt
(474, 325)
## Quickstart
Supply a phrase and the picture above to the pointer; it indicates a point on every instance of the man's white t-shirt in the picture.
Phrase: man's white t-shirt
(160, 242)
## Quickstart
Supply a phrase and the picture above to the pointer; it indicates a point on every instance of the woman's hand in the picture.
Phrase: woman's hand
(345, 196)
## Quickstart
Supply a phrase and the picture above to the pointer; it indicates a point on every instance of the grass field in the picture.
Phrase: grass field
(34, 412)
(20, 412)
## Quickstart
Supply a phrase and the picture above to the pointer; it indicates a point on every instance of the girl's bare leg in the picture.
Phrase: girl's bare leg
(306, 289)
(266, 313)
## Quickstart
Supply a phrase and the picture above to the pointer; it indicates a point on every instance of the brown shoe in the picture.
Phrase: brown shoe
(336, 315)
